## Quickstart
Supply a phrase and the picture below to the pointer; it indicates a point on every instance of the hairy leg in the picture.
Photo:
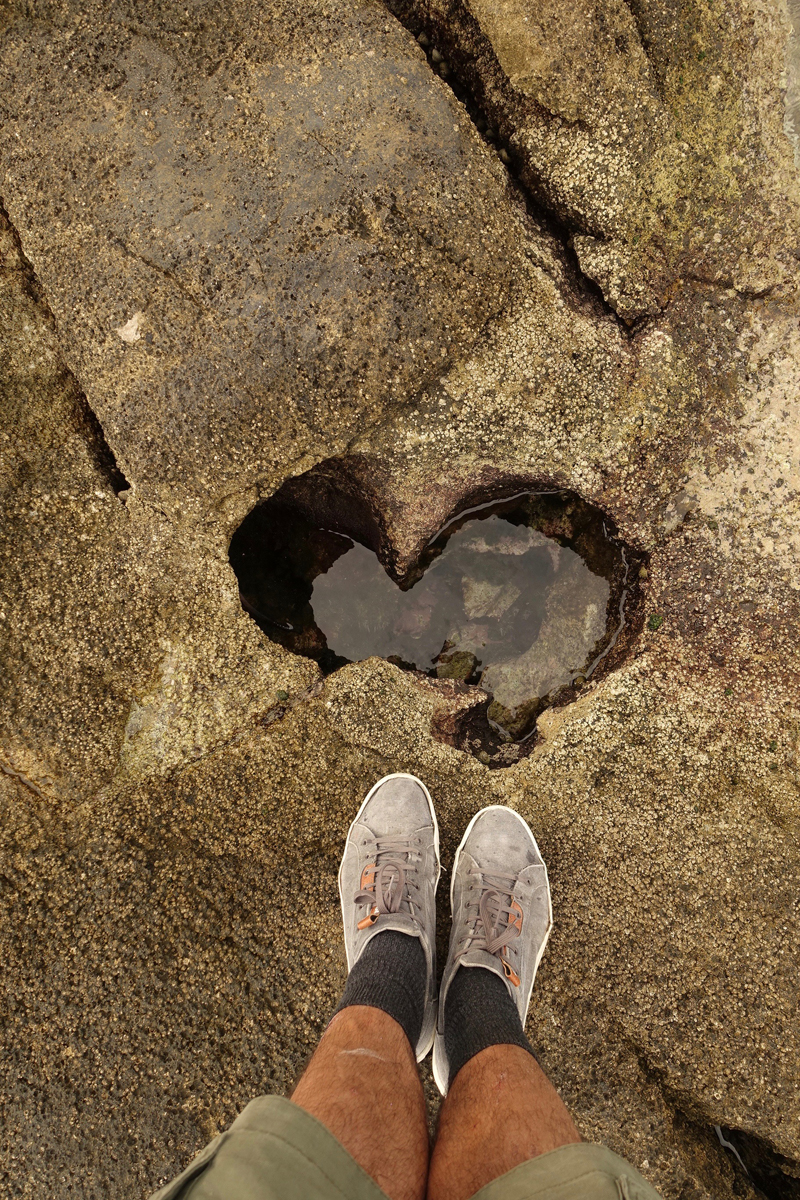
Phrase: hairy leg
(500, 1111)
(363, 1085)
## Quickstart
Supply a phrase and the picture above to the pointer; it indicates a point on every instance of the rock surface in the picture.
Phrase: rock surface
(574, 622)
(652, 131)
(234, 220)
(218, 269)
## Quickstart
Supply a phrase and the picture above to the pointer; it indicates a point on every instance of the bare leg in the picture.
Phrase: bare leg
(363, 1085)
(500, 1111)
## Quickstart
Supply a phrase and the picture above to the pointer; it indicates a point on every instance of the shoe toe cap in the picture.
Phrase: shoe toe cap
(500, 838)
(399, 804)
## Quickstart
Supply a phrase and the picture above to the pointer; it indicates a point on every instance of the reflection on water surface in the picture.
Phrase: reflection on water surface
(520, 597)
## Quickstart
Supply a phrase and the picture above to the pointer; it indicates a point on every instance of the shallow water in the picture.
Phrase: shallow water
(494, 601)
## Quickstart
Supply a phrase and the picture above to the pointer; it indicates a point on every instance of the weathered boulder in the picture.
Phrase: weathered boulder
(124, 644)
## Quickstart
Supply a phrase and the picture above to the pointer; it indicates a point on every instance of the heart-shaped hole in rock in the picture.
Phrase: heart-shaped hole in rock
(524, 597)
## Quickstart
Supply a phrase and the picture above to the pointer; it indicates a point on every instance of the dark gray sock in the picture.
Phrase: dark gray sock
(390, 975)
(479, 1013)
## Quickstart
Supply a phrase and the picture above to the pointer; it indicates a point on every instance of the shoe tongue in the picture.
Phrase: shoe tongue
(476, 958)
(480, 958)
(401, 922)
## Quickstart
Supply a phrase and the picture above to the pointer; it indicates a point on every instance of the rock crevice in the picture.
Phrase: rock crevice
(84, 416)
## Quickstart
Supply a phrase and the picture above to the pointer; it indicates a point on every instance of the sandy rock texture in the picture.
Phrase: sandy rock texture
(242, 242)
(296, 216)
(653, 132)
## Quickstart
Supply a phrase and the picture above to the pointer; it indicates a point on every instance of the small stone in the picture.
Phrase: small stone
(130, 332)
(423, 40)
(644, 573)
(482, 598)
(456, 666)
(436, 56)
(504, 156)
(484, 758)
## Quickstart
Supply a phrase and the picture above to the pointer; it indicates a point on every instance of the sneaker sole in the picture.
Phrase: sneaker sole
(420, 1052)
(441, 1070)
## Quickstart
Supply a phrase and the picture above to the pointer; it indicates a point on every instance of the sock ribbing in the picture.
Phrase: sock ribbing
(391, 975)
(479, 1013)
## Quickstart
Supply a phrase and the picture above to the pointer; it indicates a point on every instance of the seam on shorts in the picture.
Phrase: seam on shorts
(577, 1179)
(539, 1192)
(313, 1163)
(202, 1159)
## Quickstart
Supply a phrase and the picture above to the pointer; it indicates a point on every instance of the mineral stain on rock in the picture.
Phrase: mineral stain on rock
(521, 597)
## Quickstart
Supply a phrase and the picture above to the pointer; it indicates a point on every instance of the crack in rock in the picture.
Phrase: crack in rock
(775, 1176)
(625, 125)
(93, 431)
(544, 217)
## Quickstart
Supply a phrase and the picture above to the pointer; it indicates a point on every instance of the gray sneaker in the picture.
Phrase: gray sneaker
(389, 875)
(502, 913)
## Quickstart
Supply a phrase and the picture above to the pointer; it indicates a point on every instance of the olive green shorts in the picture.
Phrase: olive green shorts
(276, 1151)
